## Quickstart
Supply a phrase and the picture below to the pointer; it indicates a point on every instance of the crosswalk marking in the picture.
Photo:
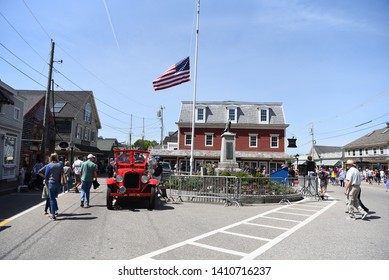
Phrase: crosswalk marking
(246, 236)
(196, 241)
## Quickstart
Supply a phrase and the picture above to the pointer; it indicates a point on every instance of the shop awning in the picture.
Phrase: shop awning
(5, 98)
(329, 162)
(89, 149)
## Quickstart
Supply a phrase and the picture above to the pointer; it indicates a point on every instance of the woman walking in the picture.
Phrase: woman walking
(53, 175)
(68, 171)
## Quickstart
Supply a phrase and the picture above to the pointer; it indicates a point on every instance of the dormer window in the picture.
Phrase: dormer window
(232, 114)
(200, 114)
(263, 115)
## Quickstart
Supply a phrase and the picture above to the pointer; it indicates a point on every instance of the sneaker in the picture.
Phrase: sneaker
(86, 205)
(45, 213)
(82, 204)
(56, 214)
(364, 215)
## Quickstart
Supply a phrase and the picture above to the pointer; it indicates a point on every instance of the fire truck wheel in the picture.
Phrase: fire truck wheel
(109, 199)
(152, 199)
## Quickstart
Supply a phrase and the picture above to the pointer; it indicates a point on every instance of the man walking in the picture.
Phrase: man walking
(352, 189)
(77, 169)
(88, 174)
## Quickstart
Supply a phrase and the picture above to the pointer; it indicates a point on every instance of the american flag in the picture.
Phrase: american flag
(177, 74)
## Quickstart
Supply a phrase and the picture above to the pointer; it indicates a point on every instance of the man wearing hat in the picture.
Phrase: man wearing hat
(88, 174)
(352, 189)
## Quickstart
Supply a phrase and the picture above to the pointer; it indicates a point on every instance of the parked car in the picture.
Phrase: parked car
(132, 180)
(166, 170)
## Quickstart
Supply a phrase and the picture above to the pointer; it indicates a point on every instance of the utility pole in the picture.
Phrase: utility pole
(160, 115)
(46, 110)
(313, 136)
(143, 135)
(131, 133)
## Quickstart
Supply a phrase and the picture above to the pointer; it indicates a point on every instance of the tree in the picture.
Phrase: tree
(144, 144)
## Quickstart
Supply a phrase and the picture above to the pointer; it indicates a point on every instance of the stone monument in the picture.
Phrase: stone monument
(227, 153)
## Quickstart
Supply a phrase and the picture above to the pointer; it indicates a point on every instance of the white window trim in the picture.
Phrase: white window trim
(256, 140)
(271, 141)
(236, 113)
(204, 114)
(188, 134)
(267, 115)
(208, 134)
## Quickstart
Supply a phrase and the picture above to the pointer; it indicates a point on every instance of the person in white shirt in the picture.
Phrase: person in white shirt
(77, 173)
(352, 190)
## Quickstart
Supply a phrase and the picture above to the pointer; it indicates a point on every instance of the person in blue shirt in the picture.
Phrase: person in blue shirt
(53, 175)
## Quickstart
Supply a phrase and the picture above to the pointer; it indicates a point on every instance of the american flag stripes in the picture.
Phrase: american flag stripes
(177, 74)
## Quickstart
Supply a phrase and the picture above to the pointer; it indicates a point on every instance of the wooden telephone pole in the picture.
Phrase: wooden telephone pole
(46, 110)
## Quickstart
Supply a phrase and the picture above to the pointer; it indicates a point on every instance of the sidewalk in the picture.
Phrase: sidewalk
(8, 187)
(13, 202)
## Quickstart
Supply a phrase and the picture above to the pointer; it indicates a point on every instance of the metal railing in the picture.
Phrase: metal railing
(230, 190)
(211, 189)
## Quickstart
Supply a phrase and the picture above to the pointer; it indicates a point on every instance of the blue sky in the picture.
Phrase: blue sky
(326, 61)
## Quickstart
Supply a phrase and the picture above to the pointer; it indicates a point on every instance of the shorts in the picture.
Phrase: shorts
(77, 178)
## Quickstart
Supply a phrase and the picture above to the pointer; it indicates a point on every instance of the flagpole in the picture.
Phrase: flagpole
(194, 91)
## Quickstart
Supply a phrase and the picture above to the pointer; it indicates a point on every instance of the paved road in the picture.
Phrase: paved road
(308, 229)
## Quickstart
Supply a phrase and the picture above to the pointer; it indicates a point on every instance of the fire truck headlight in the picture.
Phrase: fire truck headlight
(119, 178)
(122, 189)
(145, 179)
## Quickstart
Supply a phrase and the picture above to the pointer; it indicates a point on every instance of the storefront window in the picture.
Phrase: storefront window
(9, 150)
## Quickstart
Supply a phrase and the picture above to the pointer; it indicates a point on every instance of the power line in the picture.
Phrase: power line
(41, 26)
(56, 70)
(22, 60)
(86, 69)
(59, 72)
(22, 72)
(20, 35)
(340, 135)
(75, 107)
(355, 126)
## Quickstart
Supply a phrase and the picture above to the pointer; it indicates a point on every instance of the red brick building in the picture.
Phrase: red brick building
(259, 128)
